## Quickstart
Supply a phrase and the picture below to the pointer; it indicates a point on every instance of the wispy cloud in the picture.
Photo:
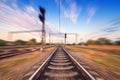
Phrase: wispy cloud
(21, 19)
(111, 28)
(29, 9)
(12, 19)
(69, 10)
(111, 31)
(72, 13)
(115, 23)
(114, 26)
(114, 20)
(91, 12)
(17, 17)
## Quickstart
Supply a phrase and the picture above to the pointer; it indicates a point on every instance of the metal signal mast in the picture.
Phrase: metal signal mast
(42, 19)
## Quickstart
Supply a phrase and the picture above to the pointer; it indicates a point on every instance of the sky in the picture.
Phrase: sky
(90, 19)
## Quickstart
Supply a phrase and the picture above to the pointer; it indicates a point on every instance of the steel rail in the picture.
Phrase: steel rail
(35, 73)
(84, 72)
(91, 77)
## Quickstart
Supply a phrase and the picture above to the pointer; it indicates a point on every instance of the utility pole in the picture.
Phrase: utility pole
(59, 21)
(49, 39)
(59, 15)
(42, 19)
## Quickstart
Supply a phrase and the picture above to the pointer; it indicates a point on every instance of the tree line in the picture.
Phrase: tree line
(18, 42)
(102, 41)
(99, 41)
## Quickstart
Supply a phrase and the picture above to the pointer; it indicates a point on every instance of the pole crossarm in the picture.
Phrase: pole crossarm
(63, 33)
(71, 33)
(26, 31)
(56, 33)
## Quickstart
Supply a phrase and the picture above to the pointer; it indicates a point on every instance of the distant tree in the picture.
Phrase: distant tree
(38, 43)
(68, 44)
(32, 42)
(20, 42)
(90, 41)
(2, 42)
(47, 43)
(73, 43)
(80, 43)
(103, 41)
(117, 42)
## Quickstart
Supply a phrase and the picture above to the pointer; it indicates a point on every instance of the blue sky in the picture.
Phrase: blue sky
(90, 19)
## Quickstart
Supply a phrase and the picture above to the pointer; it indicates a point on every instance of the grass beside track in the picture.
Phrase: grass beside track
(13, 68)
(111, 61)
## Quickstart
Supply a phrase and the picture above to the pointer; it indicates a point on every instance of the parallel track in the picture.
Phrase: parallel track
(7, 55)
(60, 65)
(3, 56)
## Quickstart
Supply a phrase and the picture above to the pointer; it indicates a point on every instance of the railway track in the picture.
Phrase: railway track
(3, 56)
(15, 52)
(60, 65)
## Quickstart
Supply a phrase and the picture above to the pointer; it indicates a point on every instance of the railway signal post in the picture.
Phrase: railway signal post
(65, 37)
(42, 19)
